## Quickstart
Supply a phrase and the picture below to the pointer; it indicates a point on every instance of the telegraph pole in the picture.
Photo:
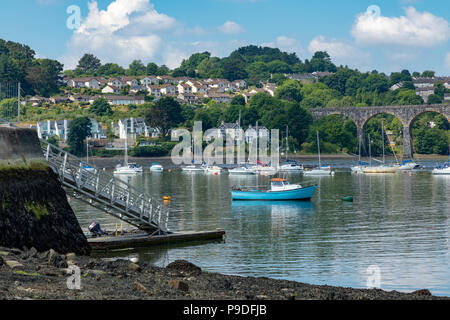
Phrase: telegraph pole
(18, 102)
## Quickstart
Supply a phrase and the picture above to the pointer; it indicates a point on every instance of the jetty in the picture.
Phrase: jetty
(143, 239)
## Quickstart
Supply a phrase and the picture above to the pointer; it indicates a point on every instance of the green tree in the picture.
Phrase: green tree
(137, 68)
(290, 90)
(111, 70)
(165, 114)
(238, 100)
(321, 61)
(434, 99)
(101, 107)
(80, 129)
(43, 76)
(152, 68)
(428, 74)
(89, 64)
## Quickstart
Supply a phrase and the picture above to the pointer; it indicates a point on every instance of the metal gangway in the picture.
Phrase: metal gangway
(106, 192)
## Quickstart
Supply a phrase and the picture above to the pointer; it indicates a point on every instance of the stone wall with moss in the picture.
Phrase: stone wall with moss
(34, 211)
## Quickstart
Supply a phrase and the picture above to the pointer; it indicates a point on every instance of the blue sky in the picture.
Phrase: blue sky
(391, 36)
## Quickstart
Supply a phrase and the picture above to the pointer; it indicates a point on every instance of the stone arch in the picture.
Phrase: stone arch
(432, 109)
(377, 112)
(429, 109)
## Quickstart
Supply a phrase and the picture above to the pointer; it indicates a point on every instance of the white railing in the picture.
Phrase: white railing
(104, 191)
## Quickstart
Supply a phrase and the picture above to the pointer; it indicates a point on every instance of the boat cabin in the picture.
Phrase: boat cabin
(282, 185)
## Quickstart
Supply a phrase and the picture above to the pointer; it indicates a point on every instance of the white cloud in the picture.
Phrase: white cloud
(126, 30)
(341, 52)
(231, 27)
(447, 61)
(286, 44)
(417, 29)
(132, 29)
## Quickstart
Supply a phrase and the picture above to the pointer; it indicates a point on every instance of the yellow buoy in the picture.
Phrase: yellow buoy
(167, 198)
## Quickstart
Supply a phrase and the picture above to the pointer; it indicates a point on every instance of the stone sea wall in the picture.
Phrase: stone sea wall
(34, 211)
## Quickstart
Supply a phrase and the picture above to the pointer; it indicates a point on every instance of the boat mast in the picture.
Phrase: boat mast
(382, 134)
(87, 149)
(370, 151)
(287, 142)
(318, 148)
(126, 144)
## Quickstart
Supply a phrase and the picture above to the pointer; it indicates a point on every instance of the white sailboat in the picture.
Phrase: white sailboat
(127, 168)
(444, 169)
(358, 169)
(320, 170)
(383, 168)
(290, 166)
(194, 168)
(88, 167)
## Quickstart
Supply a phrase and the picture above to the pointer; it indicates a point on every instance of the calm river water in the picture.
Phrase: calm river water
(397, 222)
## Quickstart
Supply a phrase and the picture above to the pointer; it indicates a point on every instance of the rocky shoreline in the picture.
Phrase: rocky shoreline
(31, 275)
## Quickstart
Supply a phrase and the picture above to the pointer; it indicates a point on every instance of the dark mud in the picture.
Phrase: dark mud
(29, 274)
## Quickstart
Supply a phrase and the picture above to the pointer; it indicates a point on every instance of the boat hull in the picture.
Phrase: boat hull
(380, 169)
(445, 171)
(304, 194)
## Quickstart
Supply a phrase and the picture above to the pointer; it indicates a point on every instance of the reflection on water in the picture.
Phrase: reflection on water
(397, 222)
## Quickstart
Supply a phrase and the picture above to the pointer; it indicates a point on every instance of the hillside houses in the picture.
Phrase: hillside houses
(425, 86)
(132, 128)
(60, 129)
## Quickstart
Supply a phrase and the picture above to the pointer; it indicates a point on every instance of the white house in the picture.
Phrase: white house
(116, 83)
(109, 89)
(197, 86)
(90, 82)
(130, 81)
(150, 80)
(134, 128)
(184, 88)
(219, 97)
(232, 130)
(239, 84)
(186, 97)
(425, 92)
(61, 128)
(168, 89)
(125, 100)
(154, 91)
(45, 129)
(255, 132)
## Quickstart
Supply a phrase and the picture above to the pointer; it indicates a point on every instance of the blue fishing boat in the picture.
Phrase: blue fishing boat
(281, 190)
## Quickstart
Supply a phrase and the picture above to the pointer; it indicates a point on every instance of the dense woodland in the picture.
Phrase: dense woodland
(256, 65)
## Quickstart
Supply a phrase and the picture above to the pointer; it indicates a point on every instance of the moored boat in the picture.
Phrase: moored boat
(291, 166)
(409, 165)
(281, 190)
(215, 170)
(242, 171)
(442, 170)
(381, 169)
(156, 167)
(320, 171)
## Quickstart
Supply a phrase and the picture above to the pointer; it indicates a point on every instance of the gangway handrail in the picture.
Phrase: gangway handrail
(104, 191)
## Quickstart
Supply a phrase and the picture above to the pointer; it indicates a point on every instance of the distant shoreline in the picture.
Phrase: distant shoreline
(166, 161)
